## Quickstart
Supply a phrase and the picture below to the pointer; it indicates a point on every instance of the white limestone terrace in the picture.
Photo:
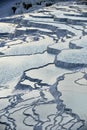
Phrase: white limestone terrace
(7, 27)
(76, 83)
(68, 18)
(43, 66)
(80, 43)
(72, 58)
(31, 47)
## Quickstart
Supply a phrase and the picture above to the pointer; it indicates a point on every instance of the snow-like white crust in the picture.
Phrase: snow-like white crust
(43, 66)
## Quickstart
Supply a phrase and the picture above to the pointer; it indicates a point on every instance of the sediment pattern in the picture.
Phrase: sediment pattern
(38, 55)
